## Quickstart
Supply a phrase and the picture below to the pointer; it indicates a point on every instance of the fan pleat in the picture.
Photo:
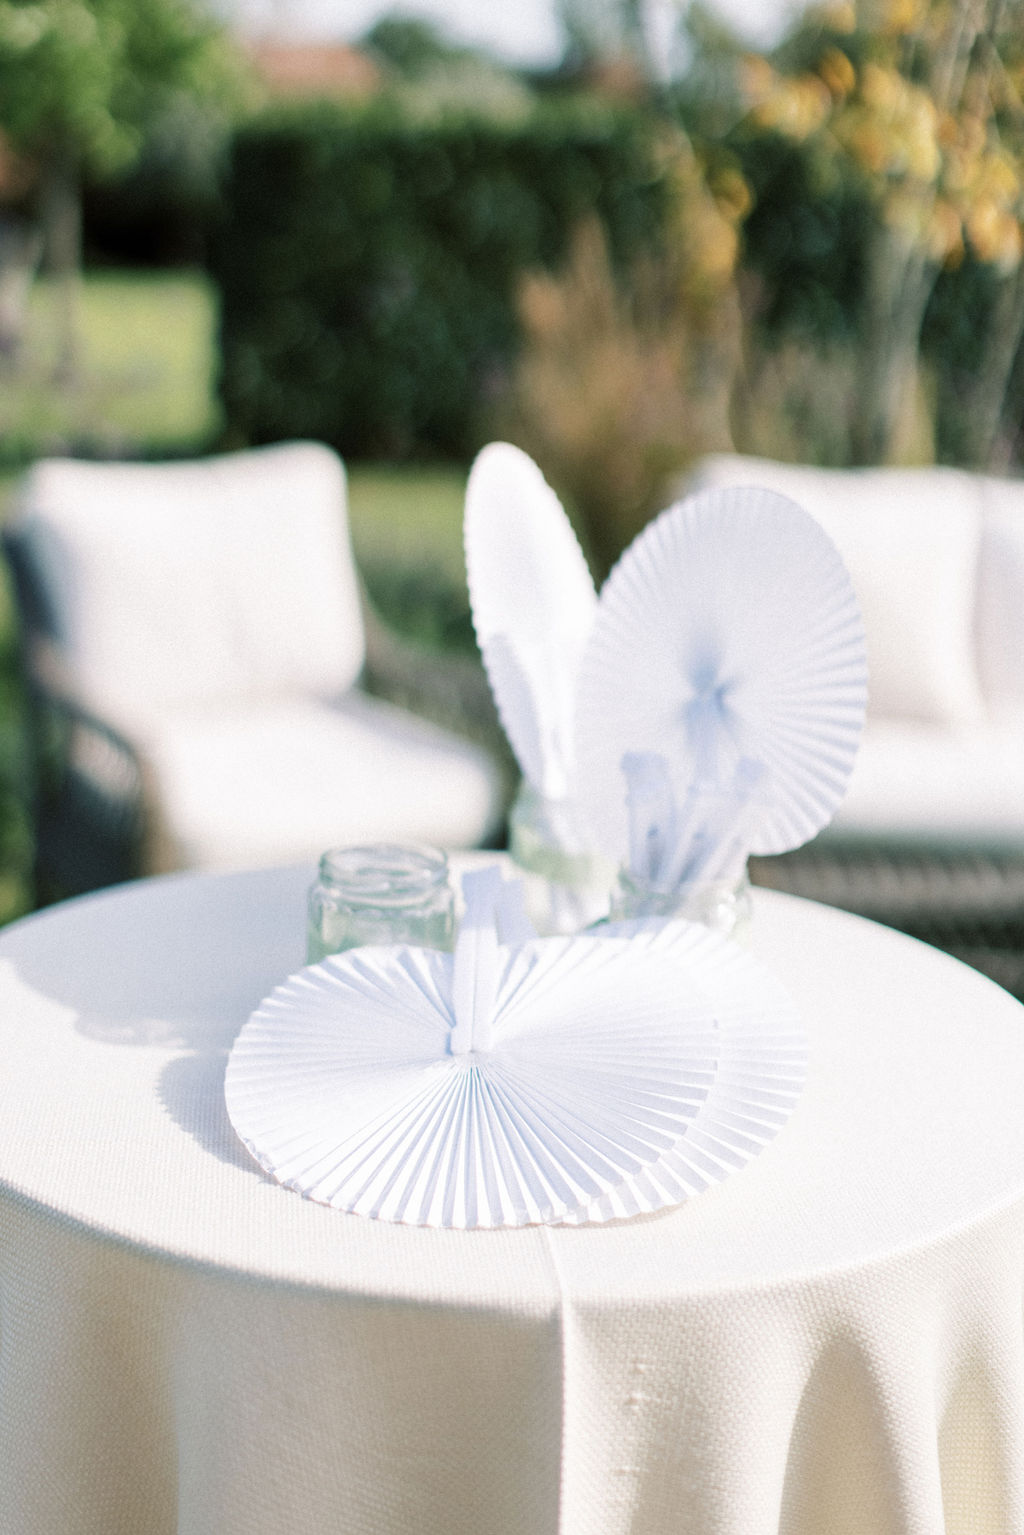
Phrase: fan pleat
(343, 1087)
(762, 1060)
(629, 1071)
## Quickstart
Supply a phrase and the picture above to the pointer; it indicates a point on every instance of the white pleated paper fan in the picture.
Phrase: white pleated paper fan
(728, 632)
(762, 1064)
(533, 604)
(343, 1086)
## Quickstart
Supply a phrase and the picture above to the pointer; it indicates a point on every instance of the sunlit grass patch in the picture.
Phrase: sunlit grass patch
(408, 514)
(407, 534)
(144, 379)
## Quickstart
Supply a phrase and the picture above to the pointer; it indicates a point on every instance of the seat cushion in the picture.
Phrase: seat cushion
(922, 784)
(910, 540)
(176, 584)
(253, 786)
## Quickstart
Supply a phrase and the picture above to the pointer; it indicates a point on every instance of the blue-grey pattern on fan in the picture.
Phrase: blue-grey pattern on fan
(721, 695)
(707, 705)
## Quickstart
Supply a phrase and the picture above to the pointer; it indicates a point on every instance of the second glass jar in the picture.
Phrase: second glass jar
(724, 904)
(380, 893)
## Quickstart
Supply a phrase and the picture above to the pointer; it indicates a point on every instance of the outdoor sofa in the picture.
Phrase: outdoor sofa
(198, 652)
(930, 837)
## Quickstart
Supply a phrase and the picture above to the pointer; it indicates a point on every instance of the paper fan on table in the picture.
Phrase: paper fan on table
(762, 1063)
(494, 1087)
(728, 635)
(533, 604)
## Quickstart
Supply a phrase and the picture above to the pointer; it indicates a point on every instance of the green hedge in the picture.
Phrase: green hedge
(368, 265)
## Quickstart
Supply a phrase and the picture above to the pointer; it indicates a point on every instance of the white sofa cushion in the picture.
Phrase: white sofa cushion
(230, 577)
(250, 786)
(921, 783)
(910, 540)
(1000, 608)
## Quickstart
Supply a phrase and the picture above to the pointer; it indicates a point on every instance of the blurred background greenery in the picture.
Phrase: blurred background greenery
(404, 247)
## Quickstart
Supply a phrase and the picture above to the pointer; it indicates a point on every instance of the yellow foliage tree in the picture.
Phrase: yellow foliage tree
(923, 98)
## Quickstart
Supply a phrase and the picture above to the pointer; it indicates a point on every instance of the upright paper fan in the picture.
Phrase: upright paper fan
(494, 1087)
(533, 603)
(728, 635)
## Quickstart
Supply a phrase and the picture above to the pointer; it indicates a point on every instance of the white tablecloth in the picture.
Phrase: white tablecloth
(829, 1343)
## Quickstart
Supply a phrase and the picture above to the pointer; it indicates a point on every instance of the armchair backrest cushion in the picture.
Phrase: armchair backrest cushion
(1000, 610)
(910, 539)
(183, 583)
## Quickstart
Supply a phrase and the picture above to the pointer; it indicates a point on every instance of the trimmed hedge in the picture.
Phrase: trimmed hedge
(368, 265)
(804, 237)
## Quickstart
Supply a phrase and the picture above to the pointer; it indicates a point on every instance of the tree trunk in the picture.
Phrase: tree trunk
(901, 274)
(19, 255)
(900, 278)
(61, 218)
(990, 445)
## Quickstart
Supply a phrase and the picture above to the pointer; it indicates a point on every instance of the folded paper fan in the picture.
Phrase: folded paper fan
(533, 604)
(762, 1062)
(729, 642)
(498, 1086)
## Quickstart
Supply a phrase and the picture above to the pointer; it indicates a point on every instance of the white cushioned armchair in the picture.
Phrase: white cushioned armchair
(198, 632)
(931, 834)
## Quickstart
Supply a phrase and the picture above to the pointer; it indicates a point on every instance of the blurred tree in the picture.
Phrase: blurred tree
(609, 48)
(433, 78)
(80, 82)
(921, 101)
(597, 30)
(624, 376)
(411, 45)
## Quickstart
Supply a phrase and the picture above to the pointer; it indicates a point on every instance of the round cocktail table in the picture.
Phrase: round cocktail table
(830, 1340)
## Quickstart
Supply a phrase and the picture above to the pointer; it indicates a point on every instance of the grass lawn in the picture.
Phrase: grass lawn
(146, 370)
(407, 535)
(408, 515)
(147, 386)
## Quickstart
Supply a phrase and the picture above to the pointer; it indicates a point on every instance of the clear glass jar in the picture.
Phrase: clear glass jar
(723, 904)
(567, 886)
(377, 894)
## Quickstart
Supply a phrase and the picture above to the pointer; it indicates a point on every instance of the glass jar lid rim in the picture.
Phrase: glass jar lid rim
(384, 869)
